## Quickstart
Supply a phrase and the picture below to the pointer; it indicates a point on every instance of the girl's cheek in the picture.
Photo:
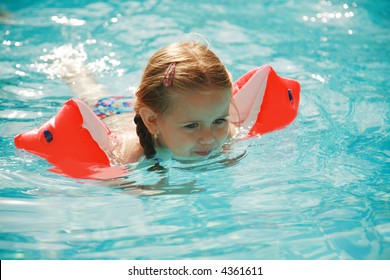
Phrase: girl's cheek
(223, 133)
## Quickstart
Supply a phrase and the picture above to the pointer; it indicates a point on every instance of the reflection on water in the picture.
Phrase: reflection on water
(173, 177)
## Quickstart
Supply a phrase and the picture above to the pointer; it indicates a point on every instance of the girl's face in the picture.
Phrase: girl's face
(197, 126)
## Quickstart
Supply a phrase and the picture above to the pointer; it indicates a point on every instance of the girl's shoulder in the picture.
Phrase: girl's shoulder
(127, 148)
(233, 130)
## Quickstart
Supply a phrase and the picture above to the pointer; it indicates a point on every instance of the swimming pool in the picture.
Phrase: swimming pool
(318, 189)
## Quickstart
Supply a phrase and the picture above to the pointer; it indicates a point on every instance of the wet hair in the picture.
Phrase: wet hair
(179, 68)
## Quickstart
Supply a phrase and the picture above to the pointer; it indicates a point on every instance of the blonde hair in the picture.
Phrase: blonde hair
(183, 68)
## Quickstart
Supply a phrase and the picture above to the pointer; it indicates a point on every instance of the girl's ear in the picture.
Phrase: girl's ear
(149, 118)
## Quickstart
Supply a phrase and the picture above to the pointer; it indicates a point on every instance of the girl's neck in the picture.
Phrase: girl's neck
(163, 153)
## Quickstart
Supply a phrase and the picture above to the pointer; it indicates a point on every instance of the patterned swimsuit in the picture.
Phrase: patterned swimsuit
(112, 105)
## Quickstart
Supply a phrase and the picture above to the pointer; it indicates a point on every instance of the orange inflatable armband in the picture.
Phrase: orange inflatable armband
(74, 141)
(264, 101)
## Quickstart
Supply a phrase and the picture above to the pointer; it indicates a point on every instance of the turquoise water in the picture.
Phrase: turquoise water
(318, 189)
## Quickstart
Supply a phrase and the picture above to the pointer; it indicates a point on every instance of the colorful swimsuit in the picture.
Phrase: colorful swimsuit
(112, 105)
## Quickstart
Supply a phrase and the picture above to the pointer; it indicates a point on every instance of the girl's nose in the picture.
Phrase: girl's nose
(206, 136)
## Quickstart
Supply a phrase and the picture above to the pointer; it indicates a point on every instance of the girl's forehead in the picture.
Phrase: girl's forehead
(214, 96)
(208, 103)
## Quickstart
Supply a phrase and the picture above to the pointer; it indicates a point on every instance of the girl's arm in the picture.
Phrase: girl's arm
(82, 82)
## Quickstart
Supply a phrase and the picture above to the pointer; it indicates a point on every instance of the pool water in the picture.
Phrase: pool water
(318, 189)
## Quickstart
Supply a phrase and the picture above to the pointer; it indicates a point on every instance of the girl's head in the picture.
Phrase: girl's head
(183, 101)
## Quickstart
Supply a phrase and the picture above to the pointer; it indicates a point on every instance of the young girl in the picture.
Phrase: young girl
(181, 108)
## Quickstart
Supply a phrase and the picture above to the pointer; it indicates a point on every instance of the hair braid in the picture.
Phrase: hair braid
(145, 138)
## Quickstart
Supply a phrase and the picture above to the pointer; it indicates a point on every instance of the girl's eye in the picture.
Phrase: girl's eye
(191, 126)
(219, 121)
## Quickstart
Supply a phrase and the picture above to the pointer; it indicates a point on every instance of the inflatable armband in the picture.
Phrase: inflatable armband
(75, 141)
(264, 101)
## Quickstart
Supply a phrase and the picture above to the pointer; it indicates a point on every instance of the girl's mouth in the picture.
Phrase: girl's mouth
(203, 153)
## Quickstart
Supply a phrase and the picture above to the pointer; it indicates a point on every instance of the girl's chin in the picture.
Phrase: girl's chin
(195, 156)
